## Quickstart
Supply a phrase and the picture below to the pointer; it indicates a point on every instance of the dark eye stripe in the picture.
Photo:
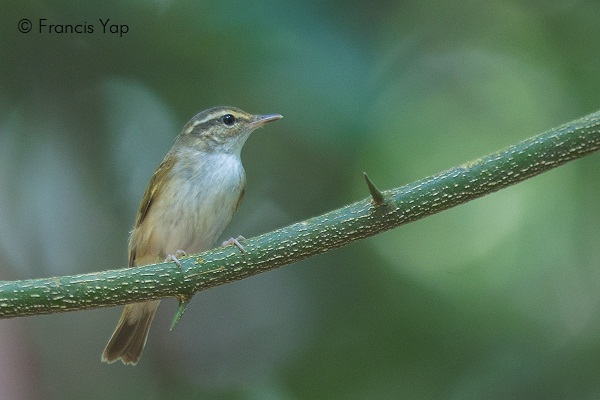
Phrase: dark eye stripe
(215, 118)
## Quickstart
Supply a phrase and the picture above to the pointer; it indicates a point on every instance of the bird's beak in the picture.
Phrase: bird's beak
(260, 120)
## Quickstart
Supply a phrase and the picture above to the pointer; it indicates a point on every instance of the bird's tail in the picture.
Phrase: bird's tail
(128, 340)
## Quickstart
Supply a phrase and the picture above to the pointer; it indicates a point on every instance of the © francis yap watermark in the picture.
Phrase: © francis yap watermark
(44, 26)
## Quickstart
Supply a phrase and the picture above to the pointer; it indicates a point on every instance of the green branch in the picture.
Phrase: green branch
(382, 211)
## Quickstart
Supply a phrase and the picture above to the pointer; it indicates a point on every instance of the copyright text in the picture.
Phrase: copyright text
(103, 26)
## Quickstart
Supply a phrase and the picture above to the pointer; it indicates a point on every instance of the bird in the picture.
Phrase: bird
(189, 200)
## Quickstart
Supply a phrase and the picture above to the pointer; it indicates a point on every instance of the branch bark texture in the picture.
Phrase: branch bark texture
(384, 210)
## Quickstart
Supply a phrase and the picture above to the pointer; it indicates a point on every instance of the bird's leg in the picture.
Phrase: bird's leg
(235, 242)
(175, 258)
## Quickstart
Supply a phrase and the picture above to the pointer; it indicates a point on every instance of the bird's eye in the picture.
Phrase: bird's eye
(228, 119)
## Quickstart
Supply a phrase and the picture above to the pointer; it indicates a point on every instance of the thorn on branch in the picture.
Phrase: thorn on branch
(376, 194)
(183, 303)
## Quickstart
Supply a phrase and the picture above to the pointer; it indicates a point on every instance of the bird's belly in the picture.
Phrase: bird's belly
(195, 223)
(195, 211)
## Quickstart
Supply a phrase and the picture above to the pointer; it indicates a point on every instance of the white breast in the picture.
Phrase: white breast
(197, 204)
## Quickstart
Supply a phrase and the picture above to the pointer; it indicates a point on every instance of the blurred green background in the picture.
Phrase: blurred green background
(498, 298)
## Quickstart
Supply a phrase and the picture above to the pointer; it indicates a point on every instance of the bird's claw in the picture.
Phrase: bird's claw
(175, 258)
(235, 242)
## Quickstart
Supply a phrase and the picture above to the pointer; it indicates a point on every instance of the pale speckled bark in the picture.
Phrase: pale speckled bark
(304, 239)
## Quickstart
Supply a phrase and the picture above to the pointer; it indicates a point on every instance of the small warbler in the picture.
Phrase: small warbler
(190, 199)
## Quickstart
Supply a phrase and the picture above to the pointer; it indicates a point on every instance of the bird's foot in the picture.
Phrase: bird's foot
(175, 258)
(235, 242)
